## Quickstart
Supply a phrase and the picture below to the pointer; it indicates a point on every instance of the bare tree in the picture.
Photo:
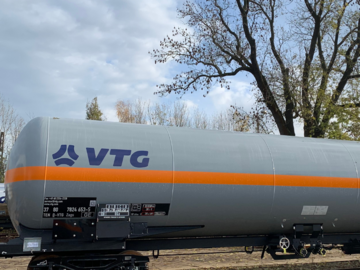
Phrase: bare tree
(16, 128)
(139, 111)
(241, 120)
(180, 114)
(222, 121)
(200, 119)
(133, 112)
(304, 61)
(124, 111)
(11, 124)
(159, 114)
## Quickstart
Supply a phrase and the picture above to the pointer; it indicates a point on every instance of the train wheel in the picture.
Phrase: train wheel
(249, 250)
(322, 252)
(303, 252)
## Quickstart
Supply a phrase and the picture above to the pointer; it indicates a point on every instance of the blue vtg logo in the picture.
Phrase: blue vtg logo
(61, 152)
(2, 199)
(138, 159)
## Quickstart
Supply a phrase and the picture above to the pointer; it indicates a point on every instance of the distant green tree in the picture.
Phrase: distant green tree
(93, 112)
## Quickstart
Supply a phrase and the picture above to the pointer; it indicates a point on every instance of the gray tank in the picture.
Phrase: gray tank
(231, 183)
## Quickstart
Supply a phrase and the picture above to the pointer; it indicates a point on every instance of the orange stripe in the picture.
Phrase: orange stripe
(315, 181)
(24, 173)
(216, 178)
(180, 177)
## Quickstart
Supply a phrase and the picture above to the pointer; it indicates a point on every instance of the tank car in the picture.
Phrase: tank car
(232, 183)
(211, 183)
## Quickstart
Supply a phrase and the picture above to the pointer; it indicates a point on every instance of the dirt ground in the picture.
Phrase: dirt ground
(237, 259)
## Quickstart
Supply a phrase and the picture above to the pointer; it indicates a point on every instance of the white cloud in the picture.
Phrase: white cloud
(56, 55)
(239, 95)
(299, 129)
(190, 104)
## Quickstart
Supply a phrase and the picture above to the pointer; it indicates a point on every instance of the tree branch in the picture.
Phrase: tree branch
(349, 106)
(308, 60)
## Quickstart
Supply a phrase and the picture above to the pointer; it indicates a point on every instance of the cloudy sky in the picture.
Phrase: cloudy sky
(57, 55)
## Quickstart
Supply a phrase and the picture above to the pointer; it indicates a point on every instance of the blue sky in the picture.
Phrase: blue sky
(57, 55)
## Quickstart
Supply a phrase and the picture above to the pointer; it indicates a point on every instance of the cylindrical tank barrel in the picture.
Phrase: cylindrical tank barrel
(231, 183)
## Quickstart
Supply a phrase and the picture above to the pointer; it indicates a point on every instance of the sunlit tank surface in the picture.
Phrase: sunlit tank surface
(232, 183)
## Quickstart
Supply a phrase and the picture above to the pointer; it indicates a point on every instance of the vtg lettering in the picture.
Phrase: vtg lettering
(119, 155)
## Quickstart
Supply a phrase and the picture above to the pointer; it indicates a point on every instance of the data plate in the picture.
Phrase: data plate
(149, 209)
(69, 207)
(113, 211)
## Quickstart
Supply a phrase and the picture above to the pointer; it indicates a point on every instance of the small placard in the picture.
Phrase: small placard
(308, 210)
(314, 210)
(149, 209)
(321, 210)
(32, 244)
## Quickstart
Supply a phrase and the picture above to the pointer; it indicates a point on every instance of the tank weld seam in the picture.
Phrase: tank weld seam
(173, 170)
(273, 165)
(46, 158)
(356, 170)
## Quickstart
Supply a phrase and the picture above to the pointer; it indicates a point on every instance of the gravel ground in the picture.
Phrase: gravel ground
(238, 259)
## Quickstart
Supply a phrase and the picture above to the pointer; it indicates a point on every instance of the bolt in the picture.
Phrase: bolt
(74, 235)
(92, 223)
(92, 235)
(56, 224)
(75, 224)
(55, 235)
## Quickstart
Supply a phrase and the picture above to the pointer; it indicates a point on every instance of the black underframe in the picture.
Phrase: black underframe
(15, 246)
(141, 237)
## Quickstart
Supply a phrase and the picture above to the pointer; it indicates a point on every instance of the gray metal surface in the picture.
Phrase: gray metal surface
(233, 183)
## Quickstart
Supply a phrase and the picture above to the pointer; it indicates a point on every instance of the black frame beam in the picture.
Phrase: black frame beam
(15, 246)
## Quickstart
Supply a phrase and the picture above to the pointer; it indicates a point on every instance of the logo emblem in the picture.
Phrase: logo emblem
(65, 161)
